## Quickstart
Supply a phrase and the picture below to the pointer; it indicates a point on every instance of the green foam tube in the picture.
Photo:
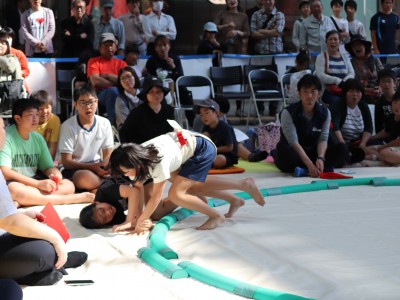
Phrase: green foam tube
(234, 286)
(162, 265)
(182, 213)
(352, 181)
(392, 182)
(157, 243)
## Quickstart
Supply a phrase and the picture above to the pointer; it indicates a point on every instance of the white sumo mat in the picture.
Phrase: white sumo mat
(335, 244)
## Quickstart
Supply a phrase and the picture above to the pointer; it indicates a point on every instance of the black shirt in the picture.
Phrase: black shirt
(73, 45)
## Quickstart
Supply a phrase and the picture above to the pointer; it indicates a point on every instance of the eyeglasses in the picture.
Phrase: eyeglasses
(126, 77)
(87, 103)
(80, 7)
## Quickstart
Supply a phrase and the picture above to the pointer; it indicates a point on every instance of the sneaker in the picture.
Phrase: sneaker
(75, 259)
(258, 156)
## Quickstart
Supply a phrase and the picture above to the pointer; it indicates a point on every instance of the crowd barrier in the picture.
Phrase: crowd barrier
(43, 70)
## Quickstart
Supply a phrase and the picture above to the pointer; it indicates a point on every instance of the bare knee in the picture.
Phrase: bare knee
(86, 180)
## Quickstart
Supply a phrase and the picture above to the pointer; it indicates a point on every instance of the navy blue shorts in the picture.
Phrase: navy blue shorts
(196, 168)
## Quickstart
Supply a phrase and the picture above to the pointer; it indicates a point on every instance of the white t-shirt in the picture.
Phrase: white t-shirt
(173, 154)
(86, 145)
(7, 206)
(37, 18)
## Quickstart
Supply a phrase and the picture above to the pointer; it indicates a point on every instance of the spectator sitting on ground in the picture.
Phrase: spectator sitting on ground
(128, 88)
(31, 253)
(304, 8)
(305, 132)
(352, 120)
(49, 123)
(8, 33)
(77, 31)
(214, 125)
(86, 142)
(102, 72)
(108, 24)
(365, 65)
(355, 26)
(383, 106)
(26, 163)
(38, 27)
(389, 153)
(133, 25)
(149, 119)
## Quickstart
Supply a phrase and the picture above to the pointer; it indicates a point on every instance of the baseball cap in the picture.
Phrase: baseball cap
(209, 103)
(107, 3)
(150, 82)
(107, 36)
(210, 27)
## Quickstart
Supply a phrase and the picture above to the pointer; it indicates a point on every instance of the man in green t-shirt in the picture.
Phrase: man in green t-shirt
(26, 163)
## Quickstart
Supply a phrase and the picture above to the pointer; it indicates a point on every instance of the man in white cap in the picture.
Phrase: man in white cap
(107, 23)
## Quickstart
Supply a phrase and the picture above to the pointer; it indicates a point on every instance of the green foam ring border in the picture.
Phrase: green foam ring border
(162, 265)
(157, 259)
(232, 285)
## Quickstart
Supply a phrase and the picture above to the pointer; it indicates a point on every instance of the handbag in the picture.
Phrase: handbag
(332, 88)
(268, 136)
(10, 91)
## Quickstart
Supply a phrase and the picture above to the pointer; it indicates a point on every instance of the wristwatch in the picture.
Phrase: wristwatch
(321, 158)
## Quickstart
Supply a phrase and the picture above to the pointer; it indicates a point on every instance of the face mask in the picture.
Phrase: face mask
(133, 178)
(158, 5)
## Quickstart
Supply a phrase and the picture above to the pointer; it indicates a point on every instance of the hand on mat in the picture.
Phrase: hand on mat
(126, 226)
(142, 226)
(313, 171)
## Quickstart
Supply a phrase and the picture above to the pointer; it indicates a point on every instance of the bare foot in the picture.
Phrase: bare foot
(86, 197)
(251, 188)
(234, 207)
(211, 223)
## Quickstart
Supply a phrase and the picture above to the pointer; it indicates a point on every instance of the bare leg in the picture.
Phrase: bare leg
(387, 156)
(65, 187)
(29, 196)
(234, 201)
(178, 193)
(215, 183)
(86, 180)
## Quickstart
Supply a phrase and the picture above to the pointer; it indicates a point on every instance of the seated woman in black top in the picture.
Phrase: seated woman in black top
(149, 119)
(166, 65)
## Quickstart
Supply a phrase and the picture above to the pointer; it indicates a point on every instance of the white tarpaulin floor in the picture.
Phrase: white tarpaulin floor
(334, 244)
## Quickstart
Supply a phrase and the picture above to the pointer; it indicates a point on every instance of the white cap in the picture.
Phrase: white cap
(211, 27)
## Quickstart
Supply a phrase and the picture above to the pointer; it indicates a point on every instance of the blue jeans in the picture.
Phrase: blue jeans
(107, 99)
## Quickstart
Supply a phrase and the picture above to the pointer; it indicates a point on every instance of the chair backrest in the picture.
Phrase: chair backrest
(222, 76)
(264, 79)
(197, 85)
(63, 81)
(285, 86)
(248, 68)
